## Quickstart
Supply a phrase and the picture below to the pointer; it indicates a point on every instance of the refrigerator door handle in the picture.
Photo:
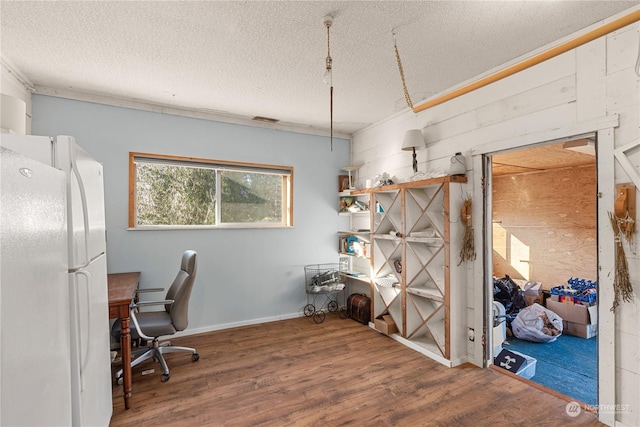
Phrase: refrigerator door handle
(85, 211)
(83, 360)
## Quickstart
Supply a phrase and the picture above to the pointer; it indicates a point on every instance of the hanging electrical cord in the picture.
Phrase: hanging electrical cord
(404, 83)
(331, 116)
(328, 74)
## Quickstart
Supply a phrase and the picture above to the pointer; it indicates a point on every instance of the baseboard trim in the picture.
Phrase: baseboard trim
(250, 322)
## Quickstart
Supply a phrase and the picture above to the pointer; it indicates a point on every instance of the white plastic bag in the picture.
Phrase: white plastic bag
(538, 324)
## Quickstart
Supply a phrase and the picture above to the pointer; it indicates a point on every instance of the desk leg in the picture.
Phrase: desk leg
(125, 345)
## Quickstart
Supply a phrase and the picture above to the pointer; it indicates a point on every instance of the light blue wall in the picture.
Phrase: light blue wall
(244, 276)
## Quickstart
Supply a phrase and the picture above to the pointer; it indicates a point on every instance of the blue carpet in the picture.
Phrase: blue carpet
(568, 365)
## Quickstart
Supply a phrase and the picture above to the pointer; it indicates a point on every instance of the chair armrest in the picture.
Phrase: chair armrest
(146, 303)
(145, 290)
(141, 304)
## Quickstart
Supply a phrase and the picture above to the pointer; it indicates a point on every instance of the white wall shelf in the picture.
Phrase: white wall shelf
(354, 244)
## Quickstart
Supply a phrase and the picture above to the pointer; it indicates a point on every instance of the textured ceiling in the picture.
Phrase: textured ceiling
(266, 58)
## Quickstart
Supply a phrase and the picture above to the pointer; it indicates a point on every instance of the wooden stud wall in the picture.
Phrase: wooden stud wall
(553, 214)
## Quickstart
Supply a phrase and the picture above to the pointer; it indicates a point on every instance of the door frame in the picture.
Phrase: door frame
(482, 268)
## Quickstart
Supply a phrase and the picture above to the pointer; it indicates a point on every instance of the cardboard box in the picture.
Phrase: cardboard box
(574, 313)
(385, 324)
(533, 299)
(533, 293)
(579, 330)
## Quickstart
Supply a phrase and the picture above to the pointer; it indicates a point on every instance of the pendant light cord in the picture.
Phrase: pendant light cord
(329, 66)
(404, 83)
(331, 113)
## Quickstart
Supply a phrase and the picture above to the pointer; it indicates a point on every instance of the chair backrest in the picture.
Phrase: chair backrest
(180, 291)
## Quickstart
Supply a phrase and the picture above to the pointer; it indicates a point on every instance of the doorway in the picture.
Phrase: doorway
(543, 211)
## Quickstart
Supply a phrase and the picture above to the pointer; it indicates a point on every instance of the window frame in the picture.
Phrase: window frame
(287, 193)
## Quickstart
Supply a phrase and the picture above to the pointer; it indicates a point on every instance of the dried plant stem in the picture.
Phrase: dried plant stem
(628, 226)
(623, 290)
(468, 251)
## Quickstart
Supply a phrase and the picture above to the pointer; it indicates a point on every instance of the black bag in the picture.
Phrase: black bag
(359, 308)
(509, 294)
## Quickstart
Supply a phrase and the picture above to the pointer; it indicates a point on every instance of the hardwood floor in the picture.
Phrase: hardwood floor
(298, 373)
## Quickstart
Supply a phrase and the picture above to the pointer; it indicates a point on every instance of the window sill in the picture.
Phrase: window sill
(207, 227)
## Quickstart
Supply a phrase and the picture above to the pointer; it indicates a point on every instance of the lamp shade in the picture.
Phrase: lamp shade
(413, 139)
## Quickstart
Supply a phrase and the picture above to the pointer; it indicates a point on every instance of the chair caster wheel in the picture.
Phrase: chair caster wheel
(119, 380)
(165, 377)
(195, 357)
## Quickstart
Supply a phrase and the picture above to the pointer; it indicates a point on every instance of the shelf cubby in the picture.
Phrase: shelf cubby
(387, 212)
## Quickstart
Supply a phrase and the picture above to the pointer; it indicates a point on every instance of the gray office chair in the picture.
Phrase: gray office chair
(151, 325)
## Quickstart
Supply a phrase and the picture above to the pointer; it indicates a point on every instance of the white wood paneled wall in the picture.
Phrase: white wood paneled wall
(591, 88)
(623, 98)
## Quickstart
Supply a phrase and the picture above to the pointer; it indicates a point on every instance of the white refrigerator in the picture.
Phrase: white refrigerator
(86, 274)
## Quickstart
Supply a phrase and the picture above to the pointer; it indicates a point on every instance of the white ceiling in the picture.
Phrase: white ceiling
(266, 58)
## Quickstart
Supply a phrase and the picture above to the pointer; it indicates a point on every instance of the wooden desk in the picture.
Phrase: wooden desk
(122, 291)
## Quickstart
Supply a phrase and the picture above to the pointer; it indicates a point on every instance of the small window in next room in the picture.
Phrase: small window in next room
(184, 192)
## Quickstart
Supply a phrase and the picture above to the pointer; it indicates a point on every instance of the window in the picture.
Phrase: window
(184, 192)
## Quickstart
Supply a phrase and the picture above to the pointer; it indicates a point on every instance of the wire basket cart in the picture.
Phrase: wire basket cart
(325, 285)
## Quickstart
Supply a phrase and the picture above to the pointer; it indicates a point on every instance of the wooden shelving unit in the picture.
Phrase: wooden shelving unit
(415, 239)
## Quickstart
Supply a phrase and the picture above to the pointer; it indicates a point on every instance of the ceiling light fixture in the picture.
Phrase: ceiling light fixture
(328, 73)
